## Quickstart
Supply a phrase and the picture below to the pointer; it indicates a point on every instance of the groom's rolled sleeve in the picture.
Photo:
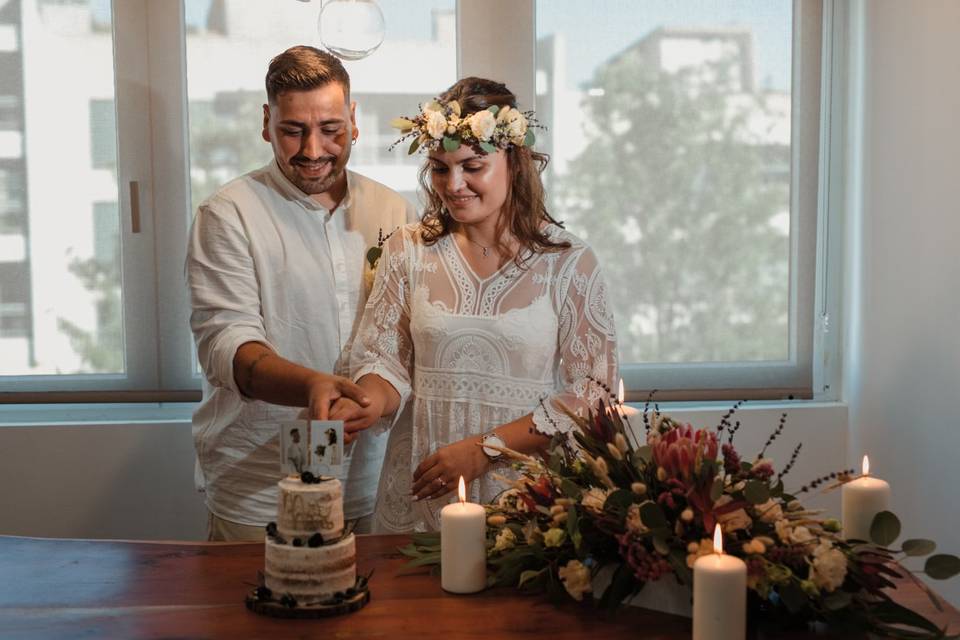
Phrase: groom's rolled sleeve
(224, 293)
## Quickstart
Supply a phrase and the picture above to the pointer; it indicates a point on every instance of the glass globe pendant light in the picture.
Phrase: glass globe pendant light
(351, 29)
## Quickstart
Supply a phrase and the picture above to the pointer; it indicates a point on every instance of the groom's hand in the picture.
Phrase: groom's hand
(439, 474)
(325, 389)
(355, 418)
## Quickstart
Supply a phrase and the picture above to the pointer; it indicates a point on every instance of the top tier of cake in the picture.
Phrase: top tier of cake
(306, 509)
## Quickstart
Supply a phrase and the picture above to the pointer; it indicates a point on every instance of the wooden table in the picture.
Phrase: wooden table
(118, 589)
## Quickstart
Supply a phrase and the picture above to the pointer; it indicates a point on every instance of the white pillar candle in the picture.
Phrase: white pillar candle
(719, 595)
(861, 500)
(463, 548)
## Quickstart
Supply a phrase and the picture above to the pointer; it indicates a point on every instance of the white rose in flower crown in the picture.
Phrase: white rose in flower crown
(482, 124)
(829, 566)
(576, 579)
(516, 126)
(436, 124)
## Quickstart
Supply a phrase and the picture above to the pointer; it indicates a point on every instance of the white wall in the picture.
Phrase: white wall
(135, 480)
(903, 363)
(119, 480)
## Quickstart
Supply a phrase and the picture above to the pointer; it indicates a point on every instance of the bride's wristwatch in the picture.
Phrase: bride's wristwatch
(493, 455)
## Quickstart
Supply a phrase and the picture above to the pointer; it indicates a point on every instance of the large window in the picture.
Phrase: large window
(670, 127)
(684, 140)
(60, 303)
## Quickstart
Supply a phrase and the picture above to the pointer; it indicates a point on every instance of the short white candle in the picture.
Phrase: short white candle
(861, 500)
(463, 548)
(625, 411)
(719, 595)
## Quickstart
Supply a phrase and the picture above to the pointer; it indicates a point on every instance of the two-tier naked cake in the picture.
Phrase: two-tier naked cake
(310, 561)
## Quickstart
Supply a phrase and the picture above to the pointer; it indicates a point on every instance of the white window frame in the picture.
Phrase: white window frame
(496, 38)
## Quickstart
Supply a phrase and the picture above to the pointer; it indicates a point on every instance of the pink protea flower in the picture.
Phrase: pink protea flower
(681, 451)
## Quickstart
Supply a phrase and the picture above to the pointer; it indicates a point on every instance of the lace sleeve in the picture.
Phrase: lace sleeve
(588, 344)
(383, 345)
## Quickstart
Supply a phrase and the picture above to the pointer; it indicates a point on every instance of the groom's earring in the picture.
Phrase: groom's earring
(353, 142)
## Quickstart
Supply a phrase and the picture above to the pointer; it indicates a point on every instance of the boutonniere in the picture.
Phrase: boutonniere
(373, 258)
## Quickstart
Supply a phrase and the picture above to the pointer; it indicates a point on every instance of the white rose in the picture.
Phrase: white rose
(436, 124)
(516, 127)
(800, 534)
(575, 578)
(829, 567)
(505, 540)
(769, 511)
(482, 124)
(594, 499)
(732, 520)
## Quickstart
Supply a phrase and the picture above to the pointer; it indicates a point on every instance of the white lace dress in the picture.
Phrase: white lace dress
(475, 353)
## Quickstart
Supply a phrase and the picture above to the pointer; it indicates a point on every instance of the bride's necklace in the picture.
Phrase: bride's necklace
(485, 250)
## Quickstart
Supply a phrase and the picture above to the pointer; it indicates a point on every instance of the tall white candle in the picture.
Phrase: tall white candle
(719, 595)
(463, 549)
(625, 411)
(861, 500)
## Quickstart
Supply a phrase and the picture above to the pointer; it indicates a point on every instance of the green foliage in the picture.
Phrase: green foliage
(756, 492)
(652, 516)
(942, 566)
(919, 547)
(885, 528)
(450, 144)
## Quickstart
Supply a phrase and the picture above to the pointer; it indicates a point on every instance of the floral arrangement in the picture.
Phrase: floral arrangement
(645, 505)
(440, 125)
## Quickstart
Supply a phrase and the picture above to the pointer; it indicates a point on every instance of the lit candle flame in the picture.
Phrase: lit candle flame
(462, 490)
(620, 393)
(866, 466)
(717, 540)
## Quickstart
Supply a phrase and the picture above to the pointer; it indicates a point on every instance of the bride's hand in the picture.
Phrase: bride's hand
(355, 418)
(440, 473)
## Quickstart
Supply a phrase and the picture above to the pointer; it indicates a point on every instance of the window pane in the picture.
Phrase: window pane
(669, 133)
(225, 100)
(60, 294)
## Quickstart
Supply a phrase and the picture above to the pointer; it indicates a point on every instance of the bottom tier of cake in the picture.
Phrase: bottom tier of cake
(311, 575)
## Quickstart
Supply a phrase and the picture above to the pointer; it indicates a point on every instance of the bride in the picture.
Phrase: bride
(487, 316)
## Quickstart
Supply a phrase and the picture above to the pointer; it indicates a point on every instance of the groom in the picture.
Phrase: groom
(275, 267)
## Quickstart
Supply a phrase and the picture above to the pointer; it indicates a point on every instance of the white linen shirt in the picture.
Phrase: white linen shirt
(267, 263)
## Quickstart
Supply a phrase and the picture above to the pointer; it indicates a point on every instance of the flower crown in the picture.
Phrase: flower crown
(439, 125)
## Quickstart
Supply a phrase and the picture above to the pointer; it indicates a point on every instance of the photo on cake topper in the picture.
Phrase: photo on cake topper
(326, 447)
(295, 446)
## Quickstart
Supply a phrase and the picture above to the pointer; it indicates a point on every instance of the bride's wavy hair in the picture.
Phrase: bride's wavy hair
(524, 209)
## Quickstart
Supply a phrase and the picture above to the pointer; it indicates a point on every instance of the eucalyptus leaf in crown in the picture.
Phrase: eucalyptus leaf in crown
(645, 503)
(439, 125)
